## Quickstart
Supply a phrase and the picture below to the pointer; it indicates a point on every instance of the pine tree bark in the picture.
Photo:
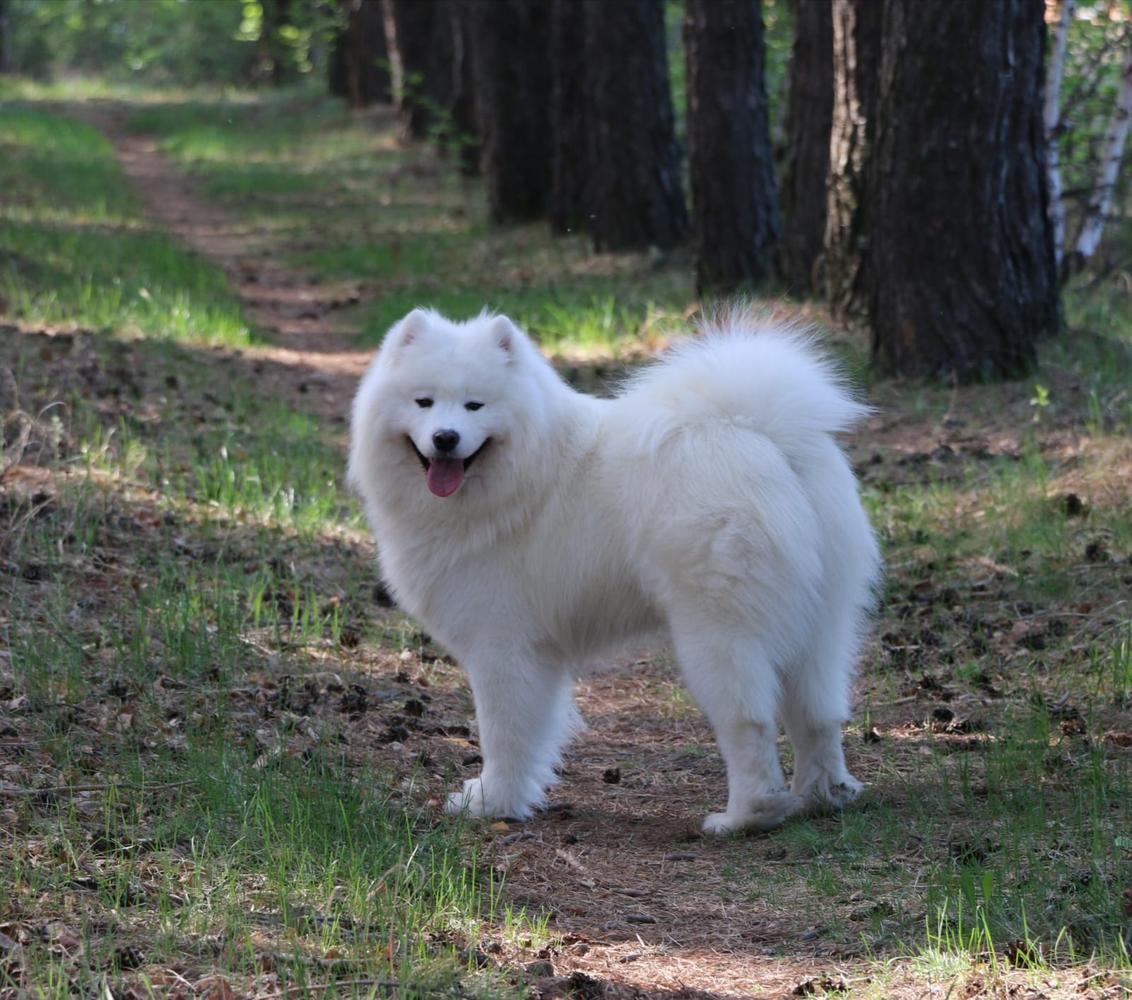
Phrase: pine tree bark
(276, 16)
(856, 65)
(359, 62)
(337, 68)
(5, 38)
(510, 65)
(636, 197)
(422, 34)
(735, 220)
(961, 276)
(569, 139)
(809, 120)
(465, 130)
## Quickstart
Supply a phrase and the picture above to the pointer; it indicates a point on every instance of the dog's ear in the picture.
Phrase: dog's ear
(406, 331)
(505, 335)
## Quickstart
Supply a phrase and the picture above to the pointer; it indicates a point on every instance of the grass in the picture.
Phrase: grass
(219, 816)
(75, 250)
(177, 815)
(190, 631)
(1013, 839)
(421, 238)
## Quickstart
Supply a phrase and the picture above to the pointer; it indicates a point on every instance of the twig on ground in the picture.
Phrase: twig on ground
(381, 984)
(15, 793)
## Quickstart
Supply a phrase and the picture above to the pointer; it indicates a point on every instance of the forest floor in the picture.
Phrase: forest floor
(222, 752)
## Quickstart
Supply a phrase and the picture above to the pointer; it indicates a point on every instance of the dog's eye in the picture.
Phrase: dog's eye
(424, 402)
(473, 406)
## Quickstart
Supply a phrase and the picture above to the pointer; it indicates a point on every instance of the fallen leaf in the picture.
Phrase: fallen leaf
(214, 988)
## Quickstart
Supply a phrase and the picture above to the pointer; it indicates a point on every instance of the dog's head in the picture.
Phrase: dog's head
(451, 398)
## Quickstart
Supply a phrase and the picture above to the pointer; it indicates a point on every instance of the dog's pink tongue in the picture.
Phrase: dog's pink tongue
(445, 475)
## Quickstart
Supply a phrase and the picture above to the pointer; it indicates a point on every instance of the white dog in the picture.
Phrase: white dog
(532, 528)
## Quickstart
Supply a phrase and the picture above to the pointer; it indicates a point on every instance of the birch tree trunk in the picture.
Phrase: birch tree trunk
(856, 64)
(1112, 150)
(1051, 118)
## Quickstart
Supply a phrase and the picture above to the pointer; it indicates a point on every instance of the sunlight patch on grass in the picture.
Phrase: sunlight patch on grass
(60, 165)
(116, 277)
(404, 223)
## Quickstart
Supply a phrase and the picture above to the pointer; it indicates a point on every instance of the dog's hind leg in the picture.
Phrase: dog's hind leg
(815, 705)
(735, 683)
(525, 712)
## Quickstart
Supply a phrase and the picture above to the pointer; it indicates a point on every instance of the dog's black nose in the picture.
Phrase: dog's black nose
(445, 440)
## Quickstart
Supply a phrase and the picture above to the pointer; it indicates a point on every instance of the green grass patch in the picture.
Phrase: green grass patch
(407, 226)
(74, 250)
(1013, 842)
(251, 154)
(196, 812)
(61, 167)
(565, 317)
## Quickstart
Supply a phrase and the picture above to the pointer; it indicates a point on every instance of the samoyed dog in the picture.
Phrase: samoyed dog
(533, 529)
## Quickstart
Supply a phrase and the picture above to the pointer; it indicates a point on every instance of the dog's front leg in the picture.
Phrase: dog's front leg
(525, 711)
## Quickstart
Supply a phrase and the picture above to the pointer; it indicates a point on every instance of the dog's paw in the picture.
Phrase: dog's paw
(468, 801)
(844, 792)
(476, 800)
(764, 813)
(830, 794)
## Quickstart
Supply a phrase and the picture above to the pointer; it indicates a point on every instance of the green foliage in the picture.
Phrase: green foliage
(183, 42)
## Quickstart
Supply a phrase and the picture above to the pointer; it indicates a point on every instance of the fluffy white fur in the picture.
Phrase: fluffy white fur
(709, 501)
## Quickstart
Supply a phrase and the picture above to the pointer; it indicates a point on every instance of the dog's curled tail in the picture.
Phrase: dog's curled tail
(768, 376)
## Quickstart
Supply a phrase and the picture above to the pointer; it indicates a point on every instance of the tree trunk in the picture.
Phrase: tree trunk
(512, 84)
(809, 121)
(1051, 119)
(276, 15)
(961, 275)
(856, 64)
(636, 198)
(359, 65)
(568, 135)
(422, 33)
(5, 38)
(735, 221)
(338, 68)
(465, 131)
(1112, 150)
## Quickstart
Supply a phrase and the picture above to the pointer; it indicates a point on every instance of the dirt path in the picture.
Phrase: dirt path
(311, 356)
